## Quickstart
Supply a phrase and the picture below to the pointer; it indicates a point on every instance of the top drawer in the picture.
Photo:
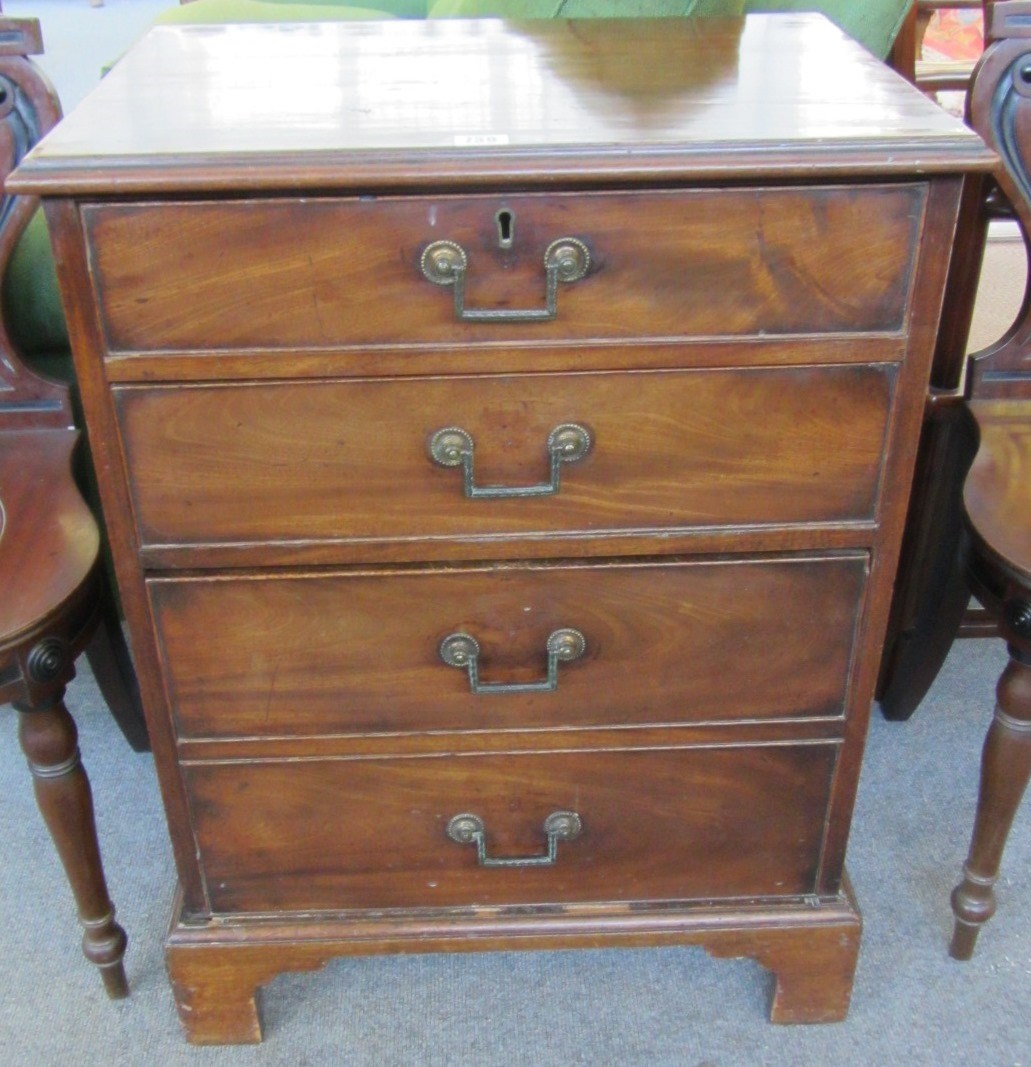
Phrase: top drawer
(300, 274)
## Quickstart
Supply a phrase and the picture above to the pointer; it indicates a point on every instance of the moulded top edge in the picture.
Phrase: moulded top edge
(475, 96)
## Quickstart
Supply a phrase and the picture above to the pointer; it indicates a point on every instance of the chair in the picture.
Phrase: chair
(930, 606)
(55, 601)
(997, 492)
(874, 23)
(997, 502)
(929, 76)
(969, 527)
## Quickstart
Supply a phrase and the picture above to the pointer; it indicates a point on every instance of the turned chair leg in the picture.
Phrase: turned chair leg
(1005, 767)
(49, 740)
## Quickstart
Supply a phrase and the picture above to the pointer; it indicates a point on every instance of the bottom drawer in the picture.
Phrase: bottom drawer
(666, 824)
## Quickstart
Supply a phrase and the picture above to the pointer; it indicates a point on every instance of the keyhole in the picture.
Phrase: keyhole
(506, 226)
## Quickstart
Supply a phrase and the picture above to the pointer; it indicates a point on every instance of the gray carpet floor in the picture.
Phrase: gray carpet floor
(911, 1002)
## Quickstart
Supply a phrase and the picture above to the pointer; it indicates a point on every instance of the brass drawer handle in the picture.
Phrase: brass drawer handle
(463, 651)
(468, 829)
(453, 447)
(565, 260)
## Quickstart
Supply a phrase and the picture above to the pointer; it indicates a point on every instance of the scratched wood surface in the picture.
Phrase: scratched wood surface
(348, 461)
(302, 274)
(696, 824)
(353, 653)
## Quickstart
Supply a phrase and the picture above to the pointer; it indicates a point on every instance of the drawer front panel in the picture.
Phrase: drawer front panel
(277, 274)
(360, 653)
(675, 824)
(349, 461)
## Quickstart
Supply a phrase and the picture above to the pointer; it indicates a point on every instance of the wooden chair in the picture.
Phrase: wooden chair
(55, 601)
(970, 516)
(930, 606)
(997, 501)
(997, 491)
(907, 53)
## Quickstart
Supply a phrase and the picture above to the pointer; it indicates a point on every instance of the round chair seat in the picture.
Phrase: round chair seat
(49, 541)
(997, 494)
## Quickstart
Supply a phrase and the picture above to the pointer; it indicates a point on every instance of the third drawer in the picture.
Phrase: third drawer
(673, 641)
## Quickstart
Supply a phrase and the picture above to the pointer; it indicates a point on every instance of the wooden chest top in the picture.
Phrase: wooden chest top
(413, 104)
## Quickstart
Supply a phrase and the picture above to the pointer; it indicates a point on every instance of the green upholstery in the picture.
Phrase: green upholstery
(402, 9)
(874, 23)
(581, 9)
(30, 296)
(32, 303)
(208, 11)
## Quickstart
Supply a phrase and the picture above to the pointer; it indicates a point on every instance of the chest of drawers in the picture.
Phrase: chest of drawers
(504, 433)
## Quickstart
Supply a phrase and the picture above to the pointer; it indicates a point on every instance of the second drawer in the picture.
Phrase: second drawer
(352, 462)
(360, 652)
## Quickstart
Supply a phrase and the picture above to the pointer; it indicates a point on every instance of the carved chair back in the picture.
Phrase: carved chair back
(28, 109)
(999, 108)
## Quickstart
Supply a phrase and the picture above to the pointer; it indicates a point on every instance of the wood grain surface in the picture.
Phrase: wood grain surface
(355, 653)
(735, 822)
(49, 541)
(348, 461)
(997, 492)
(810, 947)
(418, 102)
(298, 274)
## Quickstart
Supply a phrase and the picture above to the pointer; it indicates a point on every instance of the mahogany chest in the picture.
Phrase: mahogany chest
(504, 433)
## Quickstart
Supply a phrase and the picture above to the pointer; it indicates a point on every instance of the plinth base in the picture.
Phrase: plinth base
(218, 966)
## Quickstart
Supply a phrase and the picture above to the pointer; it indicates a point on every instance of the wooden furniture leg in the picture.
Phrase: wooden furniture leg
(49, 740)
(52, 595)
(1005, 768)
(809, 949)
(997, 503)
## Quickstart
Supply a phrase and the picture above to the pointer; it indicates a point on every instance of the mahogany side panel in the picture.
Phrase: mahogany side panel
(931, 592)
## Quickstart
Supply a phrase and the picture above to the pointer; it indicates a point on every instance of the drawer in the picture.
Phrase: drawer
(297, 274)
(350, 461)
(672, 824)
(281, 655)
